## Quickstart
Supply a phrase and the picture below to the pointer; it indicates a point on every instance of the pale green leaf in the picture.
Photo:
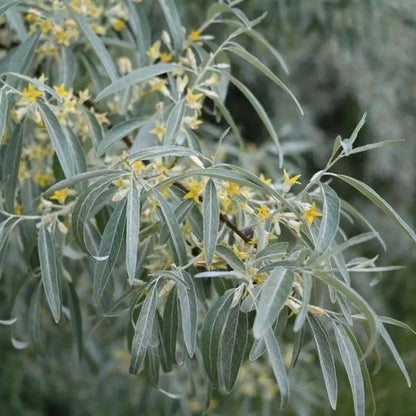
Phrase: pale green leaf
(254, 61)
(261, 113)
(4, 112)
(155, 152)
(278, 366)
(132, 229)
(386, 336)
(119, 131)
(143, 330)
(378, 201)
(212, 330)
(51, 272)
(330, 218)
(58, 139)
(274, 294)
(10, 171)
(326, 359)
(109, 249)
(188, 311)
(97, 44)
(136, 77)
(211, 218)
(174, 23)
(233, 345)
(306, 297)
(179, 249)
(352, 366)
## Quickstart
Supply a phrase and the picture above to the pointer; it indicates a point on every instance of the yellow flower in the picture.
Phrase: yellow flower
(43, 179)
(258, 278)
(311, 213)
(165, 57)
(240, 254)
(159, 130)
(45, 26)
(31, 93)
(18, 209)
(98, 29)
(195, 189)
(61, 91)
(192, 121)
(138, 166)
(263, 212)
(265, 180)
(75, 5)
(60, 195)
(154, 52)
(233, 188)
(70, 106)
(118, 25)
(193, 100)
(288, 181)
(159, 84)
(61, 36)
(84, 95)
(194, 36)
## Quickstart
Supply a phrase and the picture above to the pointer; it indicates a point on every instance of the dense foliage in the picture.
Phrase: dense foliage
(133, 208)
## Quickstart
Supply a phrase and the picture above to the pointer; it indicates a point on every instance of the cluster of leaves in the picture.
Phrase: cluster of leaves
(112, 164)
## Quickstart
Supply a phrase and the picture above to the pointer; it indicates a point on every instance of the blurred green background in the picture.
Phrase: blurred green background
(346, 57)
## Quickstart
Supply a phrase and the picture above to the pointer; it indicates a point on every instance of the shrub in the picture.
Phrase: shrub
(129, 192)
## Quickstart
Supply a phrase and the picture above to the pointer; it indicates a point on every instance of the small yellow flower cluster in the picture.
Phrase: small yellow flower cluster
(195, 189)
(311, 213)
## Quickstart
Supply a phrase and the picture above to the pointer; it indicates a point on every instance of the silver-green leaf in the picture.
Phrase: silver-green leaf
(273, 296)
(51, 273)
(211, 218)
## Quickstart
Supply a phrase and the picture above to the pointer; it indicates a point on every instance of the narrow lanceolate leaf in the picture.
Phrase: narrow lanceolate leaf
(174, 23)
(386, 336)
(278, 366)
(352, 366)
(330, 218)
(252, 99)
(188, 311)
(117, 133)
(143, 330)
(58, 139)
(22, 57)
(378, 201)
(8, 5)
(273, 296)
(11, 167)
(359, 303)
(170, 327)
(132, 229)
(212, 330)
(155, 152)
(307, 289)
(87, 205)
(179, 250)
(136, 77)
(234, 341)
(4, 111)
(211, 217)
(254, 61)
(326, 359)
(109, 249)
(232, 260)
(97, 44)
(51, 273)
(174, 122)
